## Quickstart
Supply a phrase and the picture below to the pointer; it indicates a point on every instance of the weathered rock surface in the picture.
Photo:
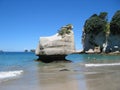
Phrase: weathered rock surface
(101, 34)
(110, 43)
(56, 46)
(113, 43)
(91, 41)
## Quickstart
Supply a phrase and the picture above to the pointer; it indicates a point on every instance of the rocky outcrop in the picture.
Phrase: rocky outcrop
(107, 43)
(98, 32)
(91, 41)
(113, 43)
(56, 47)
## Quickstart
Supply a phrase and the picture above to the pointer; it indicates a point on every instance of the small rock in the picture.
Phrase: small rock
(64, 70)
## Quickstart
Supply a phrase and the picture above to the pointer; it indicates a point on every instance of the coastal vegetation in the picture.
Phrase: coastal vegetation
(101, 32)
(65, 30)
(115, 23)
(96, 23)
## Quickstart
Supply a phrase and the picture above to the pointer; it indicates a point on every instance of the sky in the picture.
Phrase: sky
(22, 22)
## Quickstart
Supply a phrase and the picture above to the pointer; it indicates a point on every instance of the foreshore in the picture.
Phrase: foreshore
(108, 53)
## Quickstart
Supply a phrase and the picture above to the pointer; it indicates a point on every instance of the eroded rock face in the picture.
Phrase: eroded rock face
(113, 43)
(107, 43)
(58, 44)
(91, 40)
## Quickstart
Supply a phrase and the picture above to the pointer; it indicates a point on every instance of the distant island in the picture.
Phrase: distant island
(31, 50)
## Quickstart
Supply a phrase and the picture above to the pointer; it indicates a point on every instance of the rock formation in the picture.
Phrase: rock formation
(56, 47)
(113, 43)
(92, 41)
(99, 35)
(110, 43)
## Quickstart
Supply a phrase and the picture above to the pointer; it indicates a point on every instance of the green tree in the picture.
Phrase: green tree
(107, 29)
(115, 23)
(96, 23)
(65, 30)
(103, 15)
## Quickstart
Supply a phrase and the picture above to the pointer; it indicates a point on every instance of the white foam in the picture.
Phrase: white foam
(10, 74)
(100, 65)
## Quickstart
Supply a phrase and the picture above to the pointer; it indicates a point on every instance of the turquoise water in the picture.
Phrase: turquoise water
(15, 60)
(19, 71)
(92, 57)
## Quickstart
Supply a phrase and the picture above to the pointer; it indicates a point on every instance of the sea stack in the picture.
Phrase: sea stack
(56, 47)
(101, 36)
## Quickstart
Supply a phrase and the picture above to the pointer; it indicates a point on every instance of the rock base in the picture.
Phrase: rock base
(52, 58)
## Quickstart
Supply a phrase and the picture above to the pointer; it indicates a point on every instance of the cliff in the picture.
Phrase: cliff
(91, 41)
(60, 44)
(113, 43)
(104, 42)
(99, 35)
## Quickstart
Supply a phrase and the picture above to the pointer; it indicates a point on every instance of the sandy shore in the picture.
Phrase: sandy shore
(48, 77)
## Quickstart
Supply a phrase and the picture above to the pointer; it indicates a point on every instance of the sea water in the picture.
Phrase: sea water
(20, 71)
(13, 64)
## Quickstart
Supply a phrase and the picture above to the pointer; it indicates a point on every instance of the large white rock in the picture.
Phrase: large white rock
(56, 45)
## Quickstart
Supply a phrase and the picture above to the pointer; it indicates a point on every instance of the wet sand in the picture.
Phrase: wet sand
(66, 77)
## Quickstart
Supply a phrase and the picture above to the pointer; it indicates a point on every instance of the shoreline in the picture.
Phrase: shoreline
(110, 53)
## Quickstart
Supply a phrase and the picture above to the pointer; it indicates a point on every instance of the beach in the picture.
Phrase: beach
(86, 72)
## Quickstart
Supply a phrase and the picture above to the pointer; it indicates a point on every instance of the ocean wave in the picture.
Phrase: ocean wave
(10, 74)
(100, 65)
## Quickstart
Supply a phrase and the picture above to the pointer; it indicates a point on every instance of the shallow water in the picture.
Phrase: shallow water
(86, 72)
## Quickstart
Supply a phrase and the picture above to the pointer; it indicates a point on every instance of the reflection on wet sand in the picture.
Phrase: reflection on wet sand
(61, 82)
(52, 78)
(66, 76)
(103, 81)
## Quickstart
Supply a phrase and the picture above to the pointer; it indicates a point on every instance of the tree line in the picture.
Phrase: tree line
(97, 23)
